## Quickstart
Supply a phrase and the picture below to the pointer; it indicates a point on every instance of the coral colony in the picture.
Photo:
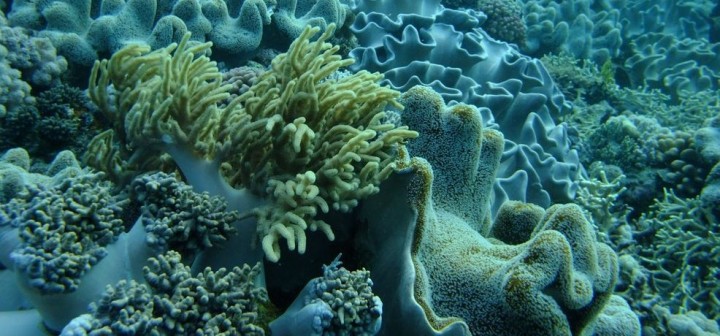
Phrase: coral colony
(359, 167)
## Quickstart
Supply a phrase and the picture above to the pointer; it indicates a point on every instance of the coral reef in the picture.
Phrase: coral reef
(680, 254)
(619, 141)
(696, 109)
(678, 66)
(483, 167)
(639, 146)
(59, 118)
(679, 18)
(578, 28)
(683, 169)
(178, 108)
(18, 125)
(580, 80)
(178, 219)
(64, 231)
(35, 57)
(63, 236)
(15, 91)
(336, 148)
(710, 195)
(66, 235)
(658, 44)
(690, 323)
(504, 18)
(241, 79)
(598, 194)
(459, 3)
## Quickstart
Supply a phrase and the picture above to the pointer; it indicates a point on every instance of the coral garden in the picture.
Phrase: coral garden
(359, 167)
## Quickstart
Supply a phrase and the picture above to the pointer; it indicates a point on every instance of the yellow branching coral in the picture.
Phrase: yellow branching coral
(169, 95)
(310, 141)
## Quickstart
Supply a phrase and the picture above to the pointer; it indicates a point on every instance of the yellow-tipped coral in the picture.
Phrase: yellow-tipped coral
(310, 141)
(169, 95)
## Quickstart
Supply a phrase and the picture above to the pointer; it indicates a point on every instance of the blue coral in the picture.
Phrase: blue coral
(15, 92)
(176, 218)
(340, 302)
(65, 235)
(515, 93)
(464, 237)
(679, 66)
(173, 302)
(578, 28)
(64, 230)
(84, 30)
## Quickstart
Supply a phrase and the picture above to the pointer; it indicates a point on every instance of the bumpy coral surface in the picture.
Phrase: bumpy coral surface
(83, 30)
(174, 302)
(341, 302)
(504, 21)
(554, 277)
(241, 79)
(64, 231)
(178, 219)
(14, 88)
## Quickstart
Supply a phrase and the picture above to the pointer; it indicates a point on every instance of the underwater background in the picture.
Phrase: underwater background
(369, 167)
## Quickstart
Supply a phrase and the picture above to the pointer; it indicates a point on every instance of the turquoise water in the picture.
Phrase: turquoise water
(216, 167)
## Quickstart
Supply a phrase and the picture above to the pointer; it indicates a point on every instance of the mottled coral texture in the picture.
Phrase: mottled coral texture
(504, 21)
(173, 301)
(553, 278)
(64, 231)
(341, 302)
(178, 219)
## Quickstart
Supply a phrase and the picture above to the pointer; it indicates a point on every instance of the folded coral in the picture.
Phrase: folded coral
(84, 30)
(448, 51)
(458, 273)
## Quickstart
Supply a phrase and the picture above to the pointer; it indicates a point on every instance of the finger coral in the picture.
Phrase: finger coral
(165, 96)
(64, 231)
(175, 302)
(179, 219)
(341, 302)
(310, 143)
